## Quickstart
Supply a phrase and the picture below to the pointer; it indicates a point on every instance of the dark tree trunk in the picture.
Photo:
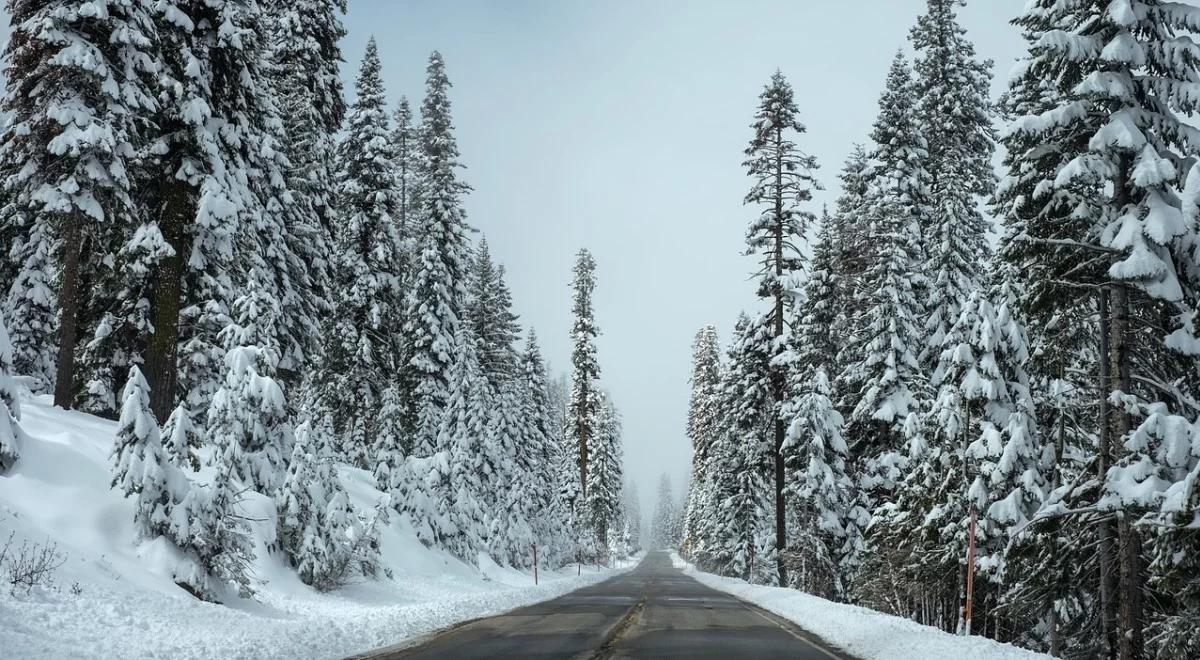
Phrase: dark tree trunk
(1130, 637)
(778, 384)
(1104, 549)
(68, 317)
(166, 293)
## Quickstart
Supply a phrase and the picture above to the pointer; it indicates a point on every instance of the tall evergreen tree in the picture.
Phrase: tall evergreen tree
(604, 473)
(585, 401)
(954, 115)
(883, 382)
(1114, 112)
(702, 426)
(438, 290)
(305, 57)
(406, 155)
(361, 355)
(489, 313)
(783, 182)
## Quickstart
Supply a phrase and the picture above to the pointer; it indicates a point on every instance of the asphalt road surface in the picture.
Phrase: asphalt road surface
(653, 611)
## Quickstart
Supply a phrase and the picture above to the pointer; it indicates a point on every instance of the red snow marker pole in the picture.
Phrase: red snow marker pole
(970, 572)
(535, 565)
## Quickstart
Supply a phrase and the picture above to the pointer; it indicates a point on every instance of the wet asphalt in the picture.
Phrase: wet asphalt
(652, 611)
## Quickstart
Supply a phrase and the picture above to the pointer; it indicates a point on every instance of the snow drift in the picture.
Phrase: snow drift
(114, 597)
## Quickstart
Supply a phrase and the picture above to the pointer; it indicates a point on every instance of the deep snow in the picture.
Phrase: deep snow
(864, 633)
(128, 607)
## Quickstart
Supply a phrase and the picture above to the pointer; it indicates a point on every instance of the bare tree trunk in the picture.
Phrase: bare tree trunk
(166, 293)
(1130, 637)
(1129, 641)
(68, 317)
(778, 383)
(1104, 549)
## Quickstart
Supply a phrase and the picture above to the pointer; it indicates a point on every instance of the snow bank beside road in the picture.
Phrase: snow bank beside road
(864, 633)
(115, 599)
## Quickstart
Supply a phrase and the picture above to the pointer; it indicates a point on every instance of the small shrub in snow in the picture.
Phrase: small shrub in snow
(31, 565)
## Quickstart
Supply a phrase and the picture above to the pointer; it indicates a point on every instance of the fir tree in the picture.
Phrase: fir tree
(221, 179)
(954, 115)
(702, 428)
(489, 313)
(584, 406)
(361, 356)
(31, 308)
(783, 182)
(883, 382)
(315, 520)
(438, 290)
(143, 466)
(604, 473)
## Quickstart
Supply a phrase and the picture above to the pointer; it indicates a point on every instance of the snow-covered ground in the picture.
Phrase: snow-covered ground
(114, 598)
(864, 633)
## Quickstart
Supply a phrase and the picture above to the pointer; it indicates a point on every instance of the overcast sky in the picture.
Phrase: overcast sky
(619, 126)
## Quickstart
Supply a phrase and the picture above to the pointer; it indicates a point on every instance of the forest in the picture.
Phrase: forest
(262, 283)
(995, 437)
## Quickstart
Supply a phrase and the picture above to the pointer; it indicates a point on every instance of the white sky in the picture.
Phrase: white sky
(619, 125)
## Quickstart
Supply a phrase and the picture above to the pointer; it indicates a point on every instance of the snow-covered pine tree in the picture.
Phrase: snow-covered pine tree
(604, 472)
(662, 525)
(746, 454)
(181, 438)
(509, 492)
(954, 115)
(11, 436)
(438, 289)
(77, 98)
(250, 408)
(463, 440)
(315, 520)
(783, 182)
(405, 155)
(362, 356)
(566, 468)
(584, 407)
(821, 494)
(390, 449)
(489, 313)
(219, 535)
(852, 247)
(542, 428)
(143, 466)
(702, 427)
(31, 307)
(883, 383)
(305, 57)
(633, 516)
(1043, 225)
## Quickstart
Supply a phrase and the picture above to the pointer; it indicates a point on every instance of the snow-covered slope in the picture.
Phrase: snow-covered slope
(865, 633)
(114, 597)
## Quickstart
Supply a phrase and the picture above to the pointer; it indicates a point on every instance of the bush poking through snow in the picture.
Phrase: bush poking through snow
(31, 565)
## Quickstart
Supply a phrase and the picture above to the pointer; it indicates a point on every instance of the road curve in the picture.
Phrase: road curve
(653, 611)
